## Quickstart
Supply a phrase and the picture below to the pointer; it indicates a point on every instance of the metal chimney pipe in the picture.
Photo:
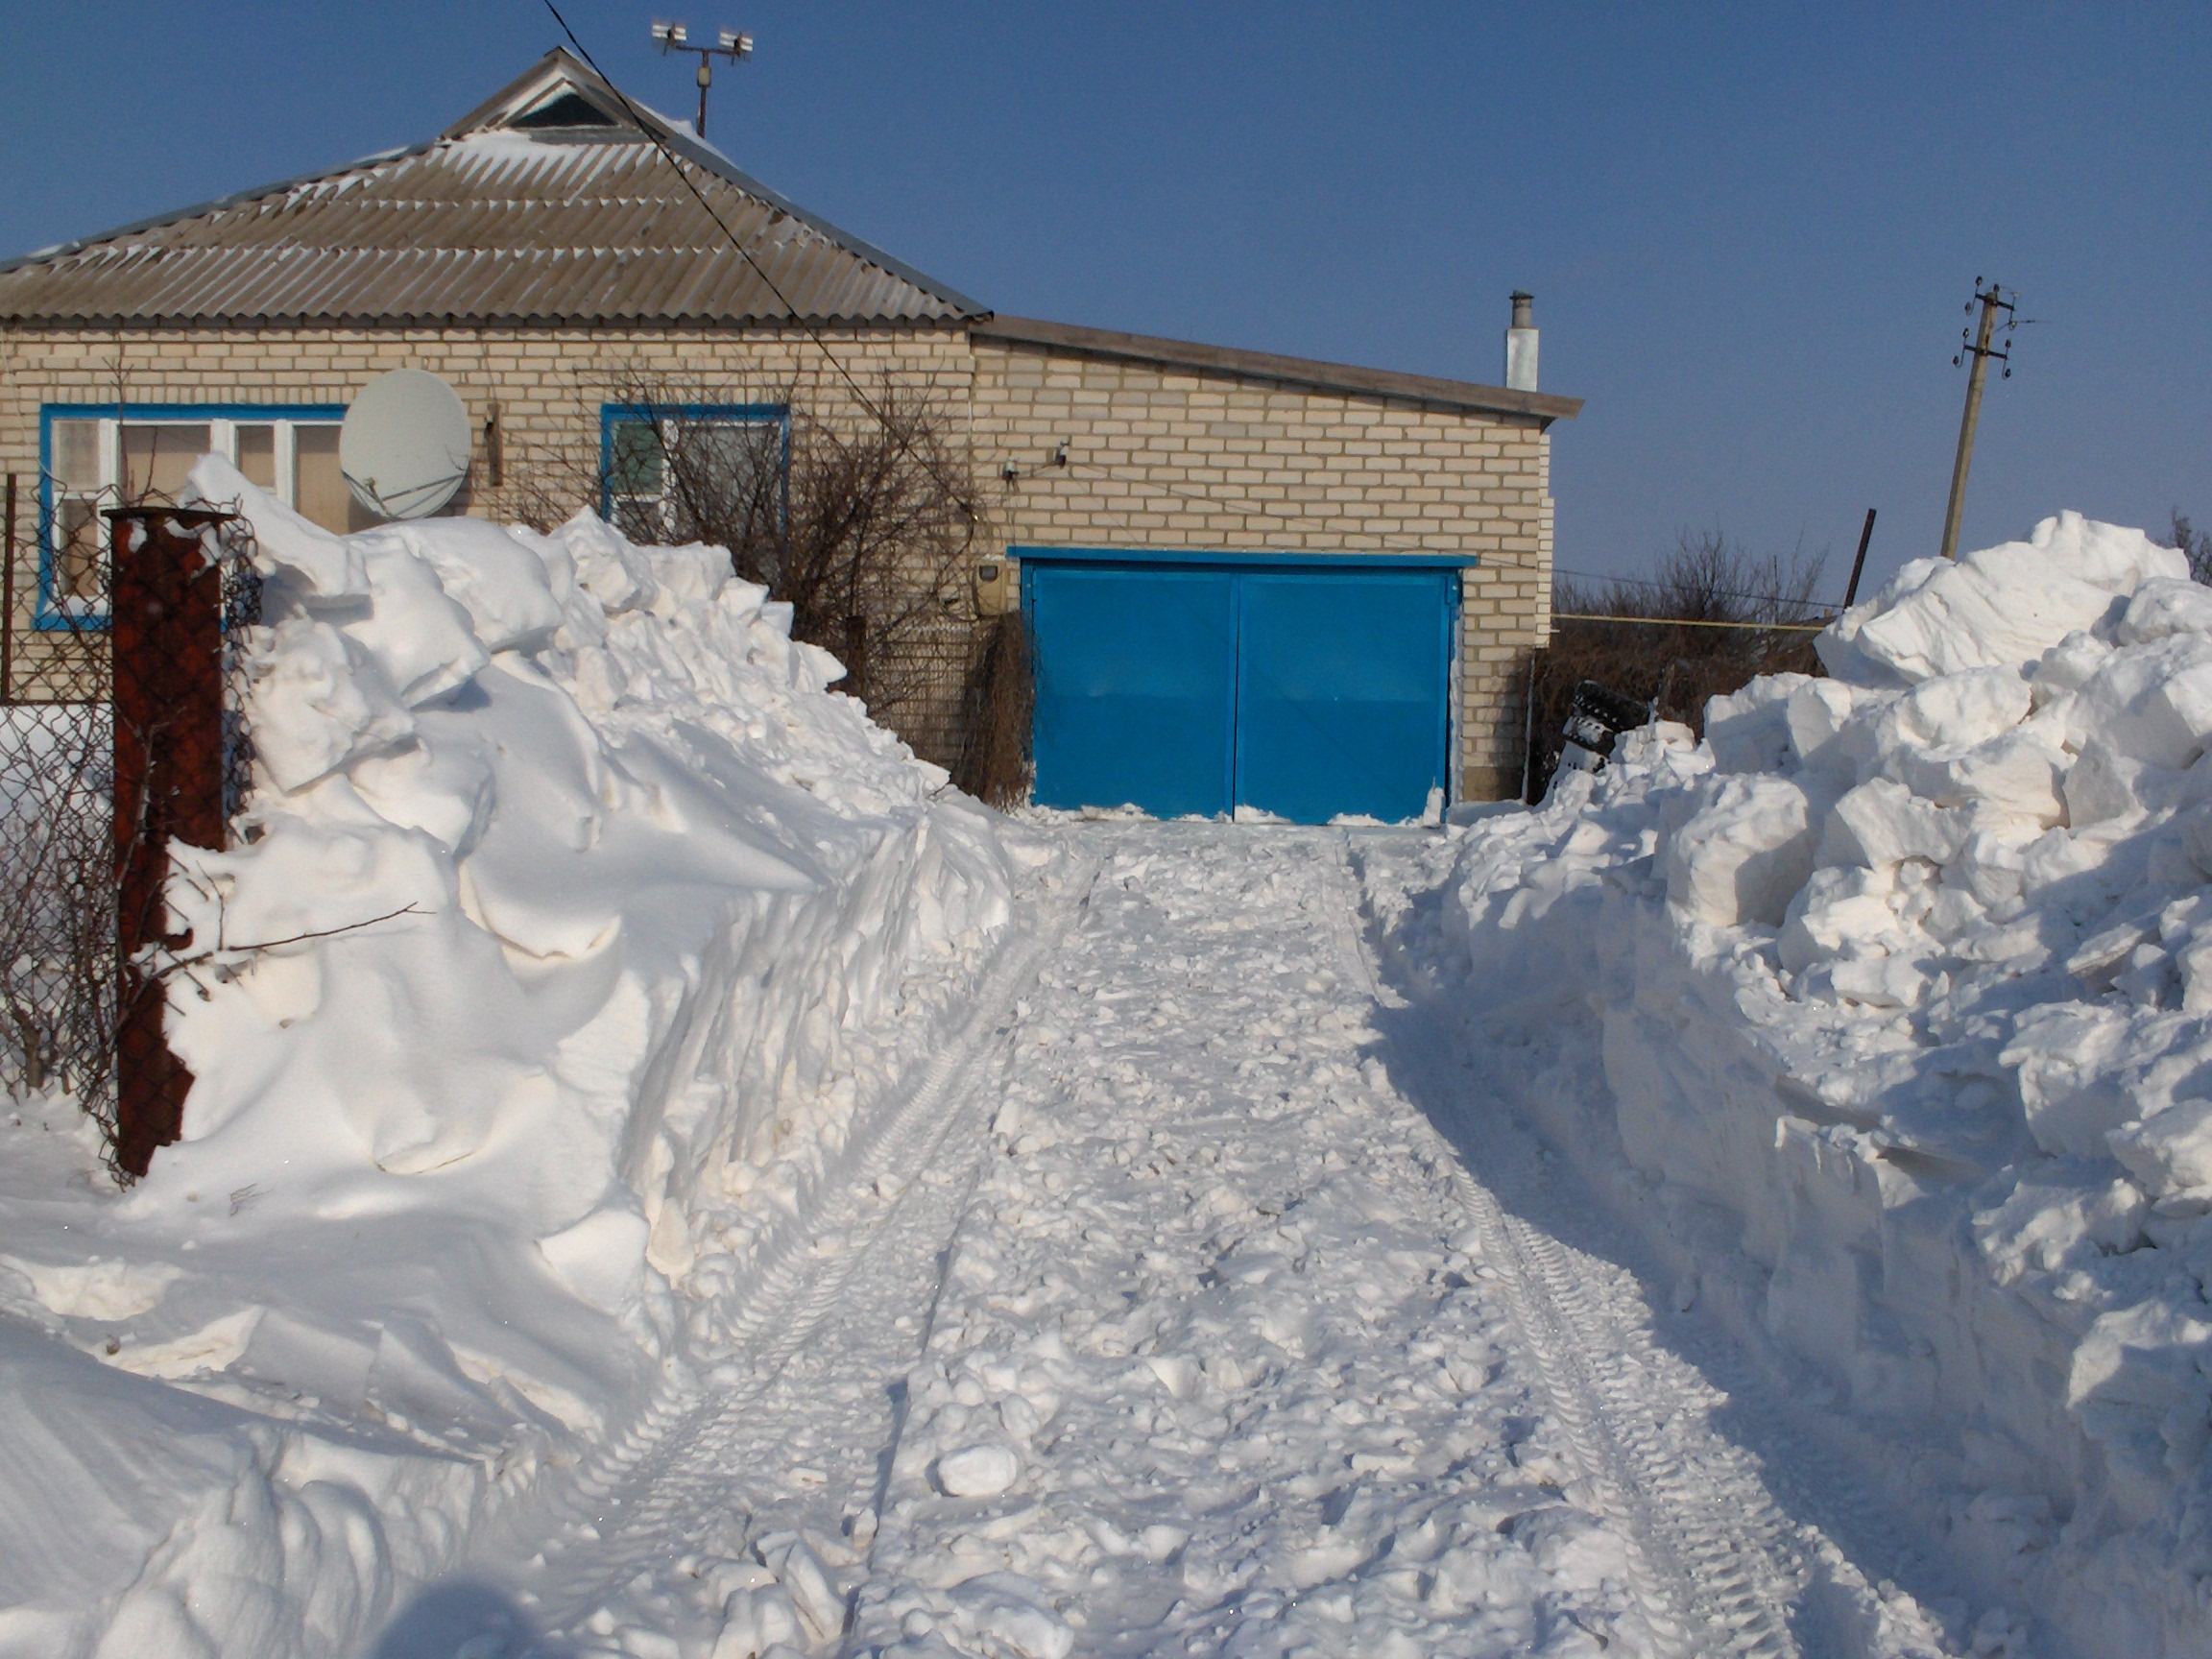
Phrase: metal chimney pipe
(1521, 344)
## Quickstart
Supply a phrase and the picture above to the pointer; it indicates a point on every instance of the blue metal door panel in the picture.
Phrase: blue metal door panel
(1341, 691)
(1135, 686)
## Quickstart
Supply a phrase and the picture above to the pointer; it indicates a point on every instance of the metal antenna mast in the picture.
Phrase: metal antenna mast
(671, 37)
(1991, 299)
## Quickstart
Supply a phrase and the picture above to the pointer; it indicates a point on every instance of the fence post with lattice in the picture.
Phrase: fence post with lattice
(120, 733)
(173, 764)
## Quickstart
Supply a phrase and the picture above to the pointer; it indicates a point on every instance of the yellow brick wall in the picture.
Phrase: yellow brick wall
(1158, 457)
(1171, 458)
(548, 384)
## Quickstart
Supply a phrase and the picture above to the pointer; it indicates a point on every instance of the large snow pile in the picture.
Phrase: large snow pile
(1905, 981)
(578, 927)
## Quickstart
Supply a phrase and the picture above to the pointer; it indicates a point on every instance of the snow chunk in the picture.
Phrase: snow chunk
(1881, 823)
(2000, 607)
(499, 580)
(318, 701)
(1742, 853)
(425, 645)
(299, 555)
(2165, 605)
(978, 1471)
(2151, 703)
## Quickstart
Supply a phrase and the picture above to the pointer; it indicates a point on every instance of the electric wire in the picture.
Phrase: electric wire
(1691, 622)
(806, 327)
(1668, 586)
(1246, 507)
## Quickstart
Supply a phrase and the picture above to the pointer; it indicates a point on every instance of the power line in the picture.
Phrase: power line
(1691, 622)
(676, 161)
(1670, 587)
(653, 135)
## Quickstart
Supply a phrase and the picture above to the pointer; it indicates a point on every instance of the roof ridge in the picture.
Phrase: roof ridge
(525, 91)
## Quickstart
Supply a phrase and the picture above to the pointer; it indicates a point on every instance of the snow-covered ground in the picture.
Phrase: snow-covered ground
(668, 1178)
(1180, 1322)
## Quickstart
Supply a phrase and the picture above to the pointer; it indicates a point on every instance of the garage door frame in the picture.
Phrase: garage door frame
(1031, 558)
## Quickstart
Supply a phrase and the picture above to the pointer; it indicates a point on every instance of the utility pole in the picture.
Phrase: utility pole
(1992, 301)
(730, 45)
(1859, 565)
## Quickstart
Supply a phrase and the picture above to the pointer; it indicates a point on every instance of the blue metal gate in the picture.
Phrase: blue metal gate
(1307, 687)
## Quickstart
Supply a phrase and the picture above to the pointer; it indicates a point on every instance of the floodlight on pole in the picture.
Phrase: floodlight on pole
(730, 44)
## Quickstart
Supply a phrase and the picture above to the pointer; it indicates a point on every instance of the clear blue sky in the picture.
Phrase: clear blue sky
(1750, 230)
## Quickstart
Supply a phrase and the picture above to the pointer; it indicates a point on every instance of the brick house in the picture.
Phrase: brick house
(1200, 536)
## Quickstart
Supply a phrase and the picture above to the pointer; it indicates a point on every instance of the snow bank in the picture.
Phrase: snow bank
(1903, 983)
(577, 927)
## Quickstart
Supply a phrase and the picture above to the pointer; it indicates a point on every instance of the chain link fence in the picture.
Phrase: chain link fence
(121, 667)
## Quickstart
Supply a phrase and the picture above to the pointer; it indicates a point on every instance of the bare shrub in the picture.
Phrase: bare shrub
(1702, 579)
(57, 918)
(2194, 543)
(1001, 703)
(865, 525)
(59, 989)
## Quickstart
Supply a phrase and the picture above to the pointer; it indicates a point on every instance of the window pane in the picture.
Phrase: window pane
(257, 455)
(635, 464)
(724, 481)
(77, 454)
(157, 456)
(319, 489)
(78, 545)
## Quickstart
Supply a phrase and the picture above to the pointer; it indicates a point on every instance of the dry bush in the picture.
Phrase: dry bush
(1704, 578)
(1001, 703)
(2196, 543)
(866, 525)
(59, 986)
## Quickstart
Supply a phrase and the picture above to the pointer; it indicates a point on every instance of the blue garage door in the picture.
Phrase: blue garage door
(1306, 691)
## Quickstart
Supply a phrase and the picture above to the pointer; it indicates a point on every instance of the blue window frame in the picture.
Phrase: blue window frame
(93, 455)
(653, 458)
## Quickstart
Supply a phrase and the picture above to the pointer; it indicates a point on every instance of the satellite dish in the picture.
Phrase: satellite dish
(404, 448)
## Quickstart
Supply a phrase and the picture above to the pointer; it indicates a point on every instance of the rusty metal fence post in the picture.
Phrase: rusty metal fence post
(166, 630)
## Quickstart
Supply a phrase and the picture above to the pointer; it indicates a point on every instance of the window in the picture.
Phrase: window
(96, 457)
(694, 472)
(567, 109)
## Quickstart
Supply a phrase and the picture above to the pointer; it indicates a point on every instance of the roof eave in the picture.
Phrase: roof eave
(237, 199)
(1542, 406)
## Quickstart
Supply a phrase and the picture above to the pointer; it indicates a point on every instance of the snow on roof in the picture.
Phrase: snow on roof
(498, 219)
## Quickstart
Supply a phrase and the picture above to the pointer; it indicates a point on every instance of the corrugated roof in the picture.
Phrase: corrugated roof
(491, 222)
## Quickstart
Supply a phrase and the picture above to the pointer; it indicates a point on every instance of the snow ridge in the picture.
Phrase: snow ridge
(1880, 1013)
(578, 936)
(1736, 1572)
(687, 1476)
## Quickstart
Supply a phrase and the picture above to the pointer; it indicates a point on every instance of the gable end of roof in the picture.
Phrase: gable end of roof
(232, 276)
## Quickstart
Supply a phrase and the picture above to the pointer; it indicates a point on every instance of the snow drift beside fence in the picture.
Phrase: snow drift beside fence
(579, 926)
(1904, 980)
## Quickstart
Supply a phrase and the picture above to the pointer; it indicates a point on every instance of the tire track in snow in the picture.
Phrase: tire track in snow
(1718, 1549)
(681, 1476)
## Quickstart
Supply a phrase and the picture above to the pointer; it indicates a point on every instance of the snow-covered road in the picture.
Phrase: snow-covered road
(1173, 1314)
